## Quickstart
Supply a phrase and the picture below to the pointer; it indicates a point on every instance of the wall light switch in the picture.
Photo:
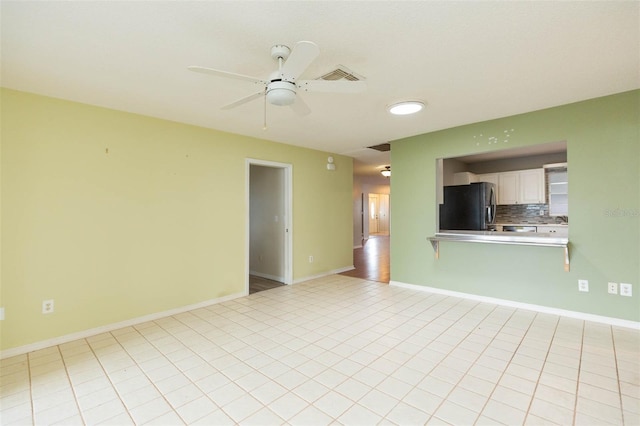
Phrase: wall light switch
(625, 290)
(1, 314)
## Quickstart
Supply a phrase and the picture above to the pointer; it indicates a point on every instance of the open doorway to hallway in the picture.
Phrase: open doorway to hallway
(371, 226)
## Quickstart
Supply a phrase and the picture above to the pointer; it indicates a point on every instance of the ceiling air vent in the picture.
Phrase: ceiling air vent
(383, 147)
(340, 73)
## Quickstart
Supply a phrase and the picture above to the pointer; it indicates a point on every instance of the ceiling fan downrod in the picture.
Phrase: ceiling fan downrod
(280, 92)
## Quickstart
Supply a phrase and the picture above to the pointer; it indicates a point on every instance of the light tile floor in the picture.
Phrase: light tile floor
(335, 350)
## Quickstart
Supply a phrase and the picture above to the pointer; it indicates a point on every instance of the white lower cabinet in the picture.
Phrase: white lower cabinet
(557, 230)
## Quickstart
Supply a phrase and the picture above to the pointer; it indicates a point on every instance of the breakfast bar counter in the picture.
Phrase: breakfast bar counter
(495, 237)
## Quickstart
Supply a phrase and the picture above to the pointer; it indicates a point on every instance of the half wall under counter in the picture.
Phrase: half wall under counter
(495, 237)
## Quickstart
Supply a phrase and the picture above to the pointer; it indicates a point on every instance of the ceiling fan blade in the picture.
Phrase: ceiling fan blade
(332, 86)
(244, 100)
(226, 74)
(300, 107)
(300, 58)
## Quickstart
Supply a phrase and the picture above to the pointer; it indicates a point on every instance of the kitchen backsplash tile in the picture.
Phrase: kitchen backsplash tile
(526, 213)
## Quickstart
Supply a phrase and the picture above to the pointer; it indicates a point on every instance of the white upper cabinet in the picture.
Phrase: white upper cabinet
(521, 187)
(508, 187)
(532, 187)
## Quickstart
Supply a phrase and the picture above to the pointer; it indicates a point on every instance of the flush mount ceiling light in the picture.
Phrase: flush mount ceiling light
(405, 108)
(386, 172)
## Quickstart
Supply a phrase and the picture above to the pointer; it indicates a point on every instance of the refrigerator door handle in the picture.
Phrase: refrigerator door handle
(492, 206)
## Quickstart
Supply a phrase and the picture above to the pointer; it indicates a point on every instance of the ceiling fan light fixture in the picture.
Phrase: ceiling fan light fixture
(386, 172)
(281, 93)
(406, 107)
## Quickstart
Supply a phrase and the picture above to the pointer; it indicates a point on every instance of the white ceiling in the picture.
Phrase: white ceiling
(469, 61)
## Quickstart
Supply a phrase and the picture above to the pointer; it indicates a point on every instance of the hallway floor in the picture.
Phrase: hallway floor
(372, 261)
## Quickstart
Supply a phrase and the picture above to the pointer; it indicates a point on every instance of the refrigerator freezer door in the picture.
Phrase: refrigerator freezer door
(468, 207)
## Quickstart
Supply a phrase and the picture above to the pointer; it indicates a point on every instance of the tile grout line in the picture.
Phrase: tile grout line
(108, 377)
(391, 373)
(73, 389)
(353, 401)
(31, 387)
(531, 322)
(615, 357)
(467, 370)
(575, 400)
(356, 401)
(153, 382)
(207, 362)
(239, 361)
(535, 389)
(471, 308)
(503, 372)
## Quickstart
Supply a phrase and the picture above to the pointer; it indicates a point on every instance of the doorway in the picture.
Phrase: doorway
(378, 214)
(268, 225)
(371, 260)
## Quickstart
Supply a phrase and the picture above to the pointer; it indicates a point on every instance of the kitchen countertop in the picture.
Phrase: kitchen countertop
(531, 224)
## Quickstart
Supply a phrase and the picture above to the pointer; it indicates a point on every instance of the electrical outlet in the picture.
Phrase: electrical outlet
(310, 259)
(625, 290)
(612, 288)
(583, 285)
(47, 306)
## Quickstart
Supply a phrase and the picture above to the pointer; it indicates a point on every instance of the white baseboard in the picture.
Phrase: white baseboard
(267, 276)
(324, 274)
(513, 304)
(7, 353)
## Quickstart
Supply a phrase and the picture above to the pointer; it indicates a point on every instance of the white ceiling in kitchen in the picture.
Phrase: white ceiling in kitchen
(468, 61)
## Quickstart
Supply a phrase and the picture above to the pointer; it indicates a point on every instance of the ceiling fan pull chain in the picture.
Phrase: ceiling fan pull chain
(264, 127)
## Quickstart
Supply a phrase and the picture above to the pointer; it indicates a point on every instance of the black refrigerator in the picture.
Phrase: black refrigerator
(469, 207)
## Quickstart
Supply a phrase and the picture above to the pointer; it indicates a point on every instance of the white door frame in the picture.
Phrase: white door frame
(288, 214)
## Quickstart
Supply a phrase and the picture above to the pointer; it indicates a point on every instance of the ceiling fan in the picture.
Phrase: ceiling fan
(282, 86)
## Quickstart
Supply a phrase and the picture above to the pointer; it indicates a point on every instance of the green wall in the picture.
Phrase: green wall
(603, 140)
(117, 216)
